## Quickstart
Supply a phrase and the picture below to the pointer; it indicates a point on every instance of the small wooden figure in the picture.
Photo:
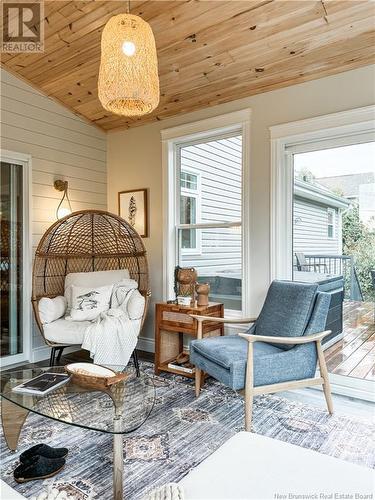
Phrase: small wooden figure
(202, 289)
(185, 279)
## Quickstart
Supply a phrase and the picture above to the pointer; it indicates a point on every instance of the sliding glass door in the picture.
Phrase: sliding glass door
(323, 231)
(12, 259)
(334, 246)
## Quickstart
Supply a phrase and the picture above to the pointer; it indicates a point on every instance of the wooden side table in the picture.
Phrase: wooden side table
(172, 322)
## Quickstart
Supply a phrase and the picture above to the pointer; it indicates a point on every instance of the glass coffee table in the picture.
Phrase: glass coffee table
(118, 410)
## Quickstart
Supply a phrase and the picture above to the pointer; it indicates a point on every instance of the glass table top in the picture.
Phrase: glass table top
(121, 409)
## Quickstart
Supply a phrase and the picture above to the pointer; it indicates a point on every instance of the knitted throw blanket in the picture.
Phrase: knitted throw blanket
(170, 491)
(112, 337)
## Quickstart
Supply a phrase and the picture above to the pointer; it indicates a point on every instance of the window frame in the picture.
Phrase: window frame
(203, 130)
(354, 126)
(331, 211)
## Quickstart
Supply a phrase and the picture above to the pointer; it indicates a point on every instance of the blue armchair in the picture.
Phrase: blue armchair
(279, 352)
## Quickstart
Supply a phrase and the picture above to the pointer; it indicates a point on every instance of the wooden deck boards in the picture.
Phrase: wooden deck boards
(354, 354)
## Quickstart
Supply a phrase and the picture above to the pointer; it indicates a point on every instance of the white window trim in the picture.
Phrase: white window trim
(343, 128)
(238, 120)
(333, 212)
(25, 161)
(193, 193)
(346, 127)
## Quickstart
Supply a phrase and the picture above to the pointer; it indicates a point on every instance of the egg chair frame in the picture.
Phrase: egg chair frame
(86, 241)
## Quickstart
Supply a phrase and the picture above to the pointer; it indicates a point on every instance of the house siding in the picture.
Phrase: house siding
(310, 229)
(219, 166)
(61, 145)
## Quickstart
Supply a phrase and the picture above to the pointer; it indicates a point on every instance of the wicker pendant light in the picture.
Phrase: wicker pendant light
(128, 77)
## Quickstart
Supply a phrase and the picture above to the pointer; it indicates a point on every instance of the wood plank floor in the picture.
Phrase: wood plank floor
(354, 354)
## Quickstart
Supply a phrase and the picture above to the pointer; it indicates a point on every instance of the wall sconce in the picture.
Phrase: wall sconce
(64, 208)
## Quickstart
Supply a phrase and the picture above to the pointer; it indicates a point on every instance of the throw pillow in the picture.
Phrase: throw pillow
(51, 309)
(92, 279)
(89, 303)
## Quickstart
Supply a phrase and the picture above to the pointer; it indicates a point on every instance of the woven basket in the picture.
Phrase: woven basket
(93, 376)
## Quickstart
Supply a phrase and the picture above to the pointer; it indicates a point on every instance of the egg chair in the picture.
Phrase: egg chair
(86, 241)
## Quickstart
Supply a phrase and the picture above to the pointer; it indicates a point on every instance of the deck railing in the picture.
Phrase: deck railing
(338, 265)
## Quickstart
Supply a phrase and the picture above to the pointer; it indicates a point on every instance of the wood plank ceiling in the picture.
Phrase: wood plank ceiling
(209, 51)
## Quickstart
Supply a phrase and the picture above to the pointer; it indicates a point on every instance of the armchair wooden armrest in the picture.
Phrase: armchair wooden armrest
(316, 337)
(201, 319)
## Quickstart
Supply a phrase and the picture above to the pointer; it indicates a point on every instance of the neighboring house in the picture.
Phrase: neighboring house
(358, 188)
(367, 204)
(210, 181)
(348, 185)
(317, 214)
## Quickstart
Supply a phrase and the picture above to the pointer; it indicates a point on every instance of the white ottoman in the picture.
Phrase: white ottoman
(255, 467)
(8, 493)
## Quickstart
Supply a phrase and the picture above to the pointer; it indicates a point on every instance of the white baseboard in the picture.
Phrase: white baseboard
(43, 352)
(364, 390)
(351, 387)
(328, 344)
(146, 344)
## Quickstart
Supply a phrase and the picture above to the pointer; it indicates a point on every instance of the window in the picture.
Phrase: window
(210, 203)
(189, 181)
(206, 181)
(189, 211)
(330, 222)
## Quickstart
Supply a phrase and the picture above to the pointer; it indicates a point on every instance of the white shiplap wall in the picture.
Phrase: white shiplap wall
(62, 146)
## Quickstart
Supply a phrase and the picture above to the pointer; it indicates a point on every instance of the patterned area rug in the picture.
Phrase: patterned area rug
(179, 434)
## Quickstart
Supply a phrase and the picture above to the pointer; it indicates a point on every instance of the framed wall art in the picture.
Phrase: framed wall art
(133, 207)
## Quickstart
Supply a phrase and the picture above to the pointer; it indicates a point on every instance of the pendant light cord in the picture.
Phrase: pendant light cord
(128, 7)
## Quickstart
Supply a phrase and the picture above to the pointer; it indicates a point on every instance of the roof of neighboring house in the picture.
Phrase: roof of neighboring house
(348, 184)
(319, 194)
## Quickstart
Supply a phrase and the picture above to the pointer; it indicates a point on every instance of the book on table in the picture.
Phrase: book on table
(43, 384)
(182, 367)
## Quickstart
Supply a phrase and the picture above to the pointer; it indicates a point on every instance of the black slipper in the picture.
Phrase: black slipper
(38, 467)
(43, 450)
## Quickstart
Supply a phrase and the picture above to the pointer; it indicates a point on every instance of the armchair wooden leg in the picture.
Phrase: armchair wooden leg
(248, 409)
(249, 385)
(198, 372)
(198, 376)
(325, 377)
